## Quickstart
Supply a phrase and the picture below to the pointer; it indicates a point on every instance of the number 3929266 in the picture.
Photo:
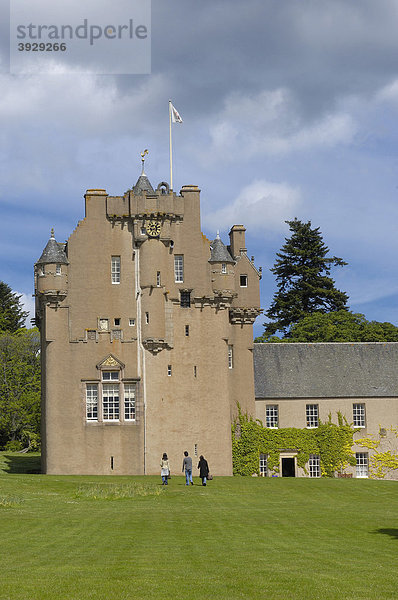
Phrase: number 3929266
(41, 47)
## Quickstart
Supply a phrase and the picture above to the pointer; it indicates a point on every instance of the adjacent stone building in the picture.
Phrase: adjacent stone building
(147, 337)
(297, 385)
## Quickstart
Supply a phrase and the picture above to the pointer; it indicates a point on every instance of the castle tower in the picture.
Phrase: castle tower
(146, 331)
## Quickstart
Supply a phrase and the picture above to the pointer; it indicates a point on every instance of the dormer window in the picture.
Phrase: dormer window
(110, 376)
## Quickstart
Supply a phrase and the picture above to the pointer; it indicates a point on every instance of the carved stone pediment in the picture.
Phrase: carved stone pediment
(110, 362)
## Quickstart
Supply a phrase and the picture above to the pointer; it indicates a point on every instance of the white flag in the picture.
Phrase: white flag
(175, 115)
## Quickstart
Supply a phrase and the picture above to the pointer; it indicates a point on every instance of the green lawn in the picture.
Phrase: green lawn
(79, 538)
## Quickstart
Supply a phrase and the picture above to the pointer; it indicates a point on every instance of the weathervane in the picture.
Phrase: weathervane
(143, 160)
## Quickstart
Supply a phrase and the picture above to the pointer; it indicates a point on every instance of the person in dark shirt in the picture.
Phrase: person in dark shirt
(187, 466)
(203, 469)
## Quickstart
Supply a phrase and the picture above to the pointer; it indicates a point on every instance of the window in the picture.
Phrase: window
(129, 402)
(179, 268)
(243, 281)
(110, 402)
(263, 465)
(224, 268)
(230, 357)
(115, 269)
(116, 334)
(362, 464)
(187, 330)
(158, 279)
(58, 269)
(195, 450)
(91, 334)
(312, 415)
(92, 402)
(117, 322)
(195, 371)
(185, 299)
(169, 370)
(147, 318)
(131, 322)
(271, 416)
(358, 411)
(314, 465)
(110, 375)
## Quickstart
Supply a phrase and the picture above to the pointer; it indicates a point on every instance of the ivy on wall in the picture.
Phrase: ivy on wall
(331, 441)
(383, 459)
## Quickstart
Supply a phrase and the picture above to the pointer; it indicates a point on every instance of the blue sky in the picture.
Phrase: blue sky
(290, 110)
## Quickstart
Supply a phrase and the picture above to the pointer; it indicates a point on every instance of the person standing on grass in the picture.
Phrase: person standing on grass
(203, 467)
(187, 466)
(165, 469)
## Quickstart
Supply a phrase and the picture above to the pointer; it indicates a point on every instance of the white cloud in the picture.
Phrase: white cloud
(261, 205)
(269, 123)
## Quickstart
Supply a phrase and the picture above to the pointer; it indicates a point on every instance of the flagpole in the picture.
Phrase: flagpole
(171, 150)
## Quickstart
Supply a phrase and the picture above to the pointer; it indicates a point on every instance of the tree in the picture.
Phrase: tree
(341, 326)
(12, 315)
(19, 386)
(302, 271)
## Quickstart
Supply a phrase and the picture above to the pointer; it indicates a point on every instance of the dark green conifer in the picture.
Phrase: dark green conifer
(302, 271)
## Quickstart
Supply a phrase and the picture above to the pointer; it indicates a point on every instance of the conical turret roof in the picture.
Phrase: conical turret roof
(53, 253)
(143, 185)
(219, 252)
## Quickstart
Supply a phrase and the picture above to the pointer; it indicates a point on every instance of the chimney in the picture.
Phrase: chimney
(237, 240)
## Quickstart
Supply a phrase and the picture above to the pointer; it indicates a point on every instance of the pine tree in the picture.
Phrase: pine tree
(302, 271)
(12, 315)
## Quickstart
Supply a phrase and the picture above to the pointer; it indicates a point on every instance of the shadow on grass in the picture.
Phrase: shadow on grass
(21, 463)
(391, 532)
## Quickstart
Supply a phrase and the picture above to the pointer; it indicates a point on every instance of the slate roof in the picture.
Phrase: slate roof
(143, 185)
(53, 253)
(219, 252)
(330, 370)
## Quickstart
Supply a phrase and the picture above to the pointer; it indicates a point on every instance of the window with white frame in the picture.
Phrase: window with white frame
(243, 281)
(129, 402)
(312, 415)
(58, 270)
(115, 269)
(358, 412)
(223, 268)
(314, 465)
(179, 268)
(158, 279)
(272, 416)
(263, 465)
(169, 370)
(230, 356)
(362, 464)
(131, 322)
(110, 376)
(92, 402)
(110, 402)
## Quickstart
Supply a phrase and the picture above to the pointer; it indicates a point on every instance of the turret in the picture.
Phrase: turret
(222, 267)
(51, 271)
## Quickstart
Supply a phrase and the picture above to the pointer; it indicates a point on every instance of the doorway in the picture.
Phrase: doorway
(288, 467)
